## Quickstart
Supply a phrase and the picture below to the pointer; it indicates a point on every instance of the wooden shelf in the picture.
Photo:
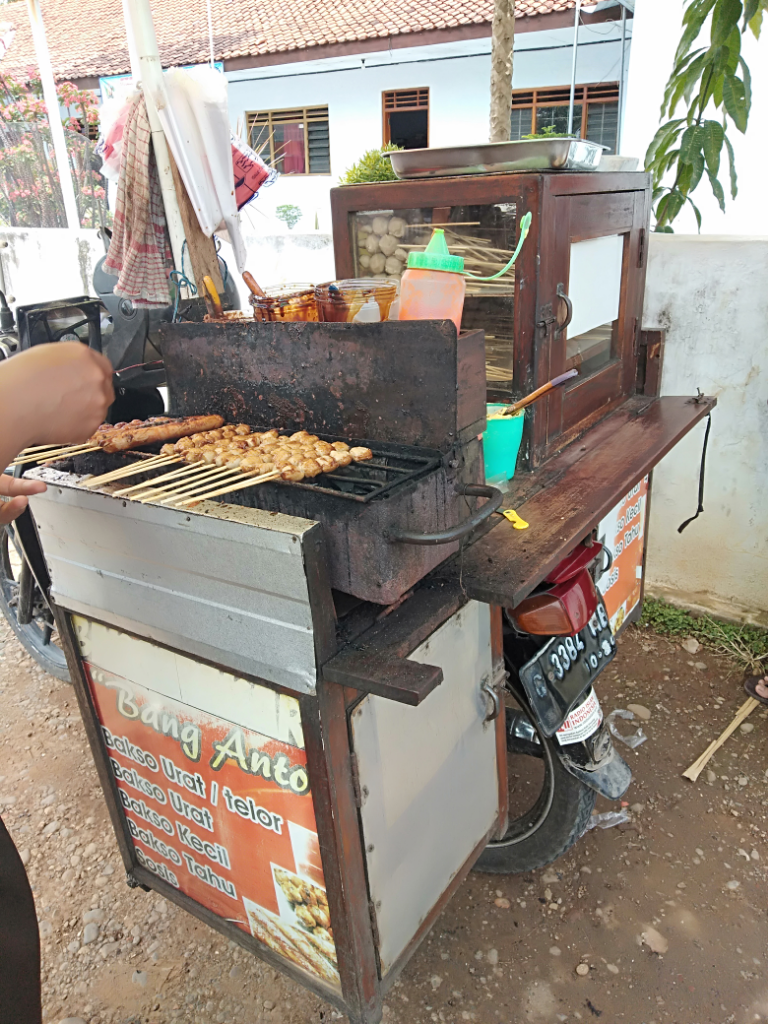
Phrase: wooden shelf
(567, 497)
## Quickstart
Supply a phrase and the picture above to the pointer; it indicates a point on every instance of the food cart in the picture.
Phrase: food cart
(293, 693)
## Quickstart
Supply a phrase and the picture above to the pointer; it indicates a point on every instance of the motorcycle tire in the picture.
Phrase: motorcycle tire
(35, 637)
(556, 821)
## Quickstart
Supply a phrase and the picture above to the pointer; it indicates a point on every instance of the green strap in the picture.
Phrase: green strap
(525, 225)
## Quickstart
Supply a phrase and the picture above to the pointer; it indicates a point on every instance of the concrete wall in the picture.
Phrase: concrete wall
(656, 33)
(710, 295)
(41, 264)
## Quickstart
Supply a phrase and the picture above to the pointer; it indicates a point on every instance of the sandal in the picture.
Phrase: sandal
(750, 685)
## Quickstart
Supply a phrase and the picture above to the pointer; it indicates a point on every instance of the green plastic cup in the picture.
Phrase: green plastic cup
(501, 443)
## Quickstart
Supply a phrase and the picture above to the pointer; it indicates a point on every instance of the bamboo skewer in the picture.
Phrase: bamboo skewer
(151, 485)
(250, 482)
(132, 470)
(56, 454)
(700, 763)
(163, 495)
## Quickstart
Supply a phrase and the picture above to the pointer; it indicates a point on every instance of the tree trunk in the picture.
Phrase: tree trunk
(502, 46)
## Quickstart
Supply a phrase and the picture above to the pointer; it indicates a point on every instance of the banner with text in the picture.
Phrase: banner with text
(222, 812)
(622, 531)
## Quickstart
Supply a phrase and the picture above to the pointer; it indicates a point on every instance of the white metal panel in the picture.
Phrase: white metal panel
(428, 775)
(171, 674)
(231, 587)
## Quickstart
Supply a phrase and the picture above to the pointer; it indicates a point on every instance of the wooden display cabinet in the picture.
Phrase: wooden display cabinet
(573, 299)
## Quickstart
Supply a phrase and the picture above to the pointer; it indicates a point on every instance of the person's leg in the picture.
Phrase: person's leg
(19, 940)
(757, 687)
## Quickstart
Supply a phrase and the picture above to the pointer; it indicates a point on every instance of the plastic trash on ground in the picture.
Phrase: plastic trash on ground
(634, 739)
(608, 819)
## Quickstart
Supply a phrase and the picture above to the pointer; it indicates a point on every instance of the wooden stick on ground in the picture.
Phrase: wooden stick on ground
(700, 763)
(230, 487)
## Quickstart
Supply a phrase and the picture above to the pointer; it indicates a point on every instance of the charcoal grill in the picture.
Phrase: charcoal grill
(387, 522)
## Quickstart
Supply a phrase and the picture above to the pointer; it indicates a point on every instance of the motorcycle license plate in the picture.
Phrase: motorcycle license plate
(565, 668)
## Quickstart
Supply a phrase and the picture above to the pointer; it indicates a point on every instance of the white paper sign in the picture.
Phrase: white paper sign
(594, 282)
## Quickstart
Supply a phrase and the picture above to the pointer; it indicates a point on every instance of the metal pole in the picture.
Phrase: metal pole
(143, 48)
(54, 118)
(573, 66)
(620, 124)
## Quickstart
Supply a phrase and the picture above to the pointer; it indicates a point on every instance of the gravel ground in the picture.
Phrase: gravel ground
(661, 919)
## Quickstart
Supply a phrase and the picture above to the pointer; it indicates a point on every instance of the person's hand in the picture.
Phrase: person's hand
(54, 394)
(17, 490)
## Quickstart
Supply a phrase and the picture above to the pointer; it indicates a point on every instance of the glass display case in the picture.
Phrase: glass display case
(572, 300)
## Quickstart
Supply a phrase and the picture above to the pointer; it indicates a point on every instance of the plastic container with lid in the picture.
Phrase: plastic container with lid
(285, 302)
(355, 300)
(433, 286)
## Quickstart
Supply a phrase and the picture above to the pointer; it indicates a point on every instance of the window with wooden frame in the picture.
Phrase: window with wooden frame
(533, 110)
(405, 115)
(292, 141)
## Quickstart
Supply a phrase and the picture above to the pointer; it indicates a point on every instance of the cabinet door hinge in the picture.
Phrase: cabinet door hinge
(374, 924)
(355, 772)
(641, 250)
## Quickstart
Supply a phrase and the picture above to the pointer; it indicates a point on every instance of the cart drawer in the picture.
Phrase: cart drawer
(235, 586)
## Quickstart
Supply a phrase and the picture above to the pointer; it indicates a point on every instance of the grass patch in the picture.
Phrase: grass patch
(747, 644)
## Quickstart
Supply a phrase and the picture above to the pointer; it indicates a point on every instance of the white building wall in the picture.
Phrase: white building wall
(710, 295)
(457, 75)
(653, 51)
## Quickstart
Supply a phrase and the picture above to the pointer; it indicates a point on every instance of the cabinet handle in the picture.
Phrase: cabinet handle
(490, 691)
(561, 294)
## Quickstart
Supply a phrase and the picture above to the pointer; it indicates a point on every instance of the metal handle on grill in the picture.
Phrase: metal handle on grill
(496, 499)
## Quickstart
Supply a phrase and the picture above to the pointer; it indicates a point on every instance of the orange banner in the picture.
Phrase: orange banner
(622, 532)
(221, 812)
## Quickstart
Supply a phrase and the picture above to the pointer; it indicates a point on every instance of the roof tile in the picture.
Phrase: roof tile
(87, 37)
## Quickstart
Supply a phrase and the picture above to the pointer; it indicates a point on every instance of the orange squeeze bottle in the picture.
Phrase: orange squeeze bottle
(433, 286)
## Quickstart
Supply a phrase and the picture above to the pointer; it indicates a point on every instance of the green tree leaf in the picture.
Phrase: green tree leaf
(735, 103)
(751, 7)
(696, 211)
(725, 15)
(693, 20)
(713, 135)
(756, 23)
(717, 189)
(732, 168)
(747, 79)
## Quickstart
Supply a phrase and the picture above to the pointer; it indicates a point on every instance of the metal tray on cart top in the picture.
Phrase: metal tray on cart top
(498, 157)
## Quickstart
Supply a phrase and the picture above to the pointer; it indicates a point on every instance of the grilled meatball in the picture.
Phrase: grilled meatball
(361, 454)
(340, 446)
(292, 473)
(341, 458)
(310, 467)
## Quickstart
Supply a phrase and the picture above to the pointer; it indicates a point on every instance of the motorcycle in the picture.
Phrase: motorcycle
(560, 754)
(128, 336)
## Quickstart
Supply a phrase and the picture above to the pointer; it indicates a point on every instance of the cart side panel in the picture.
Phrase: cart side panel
(428, 778)
(231, 586)
(220, 809)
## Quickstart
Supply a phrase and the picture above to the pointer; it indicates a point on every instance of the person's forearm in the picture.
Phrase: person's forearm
(16, 429)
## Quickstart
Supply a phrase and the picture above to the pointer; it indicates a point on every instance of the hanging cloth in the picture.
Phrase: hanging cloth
(140, 253)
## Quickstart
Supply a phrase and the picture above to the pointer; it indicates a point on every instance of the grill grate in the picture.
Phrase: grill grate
(390, 466)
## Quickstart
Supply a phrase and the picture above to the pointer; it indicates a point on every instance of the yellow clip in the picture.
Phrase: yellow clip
(514, 518)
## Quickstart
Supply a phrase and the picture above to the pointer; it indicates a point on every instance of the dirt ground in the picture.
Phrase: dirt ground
(688, 872)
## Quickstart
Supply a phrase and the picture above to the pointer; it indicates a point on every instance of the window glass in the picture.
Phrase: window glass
(484, 235)
(292, 141)
(557, 118)
(603, 124)
(521, 122)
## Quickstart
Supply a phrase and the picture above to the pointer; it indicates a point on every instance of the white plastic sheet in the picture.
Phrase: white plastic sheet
(192, 106)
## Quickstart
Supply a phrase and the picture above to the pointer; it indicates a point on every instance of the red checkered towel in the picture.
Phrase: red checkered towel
(139, 253)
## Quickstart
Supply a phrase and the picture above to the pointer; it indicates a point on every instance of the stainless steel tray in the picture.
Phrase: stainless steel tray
(498, 157)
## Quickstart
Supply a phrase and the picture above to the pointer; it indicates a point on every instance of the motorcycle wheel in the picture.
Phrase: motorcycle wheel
(38, 637)
(558, 816)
